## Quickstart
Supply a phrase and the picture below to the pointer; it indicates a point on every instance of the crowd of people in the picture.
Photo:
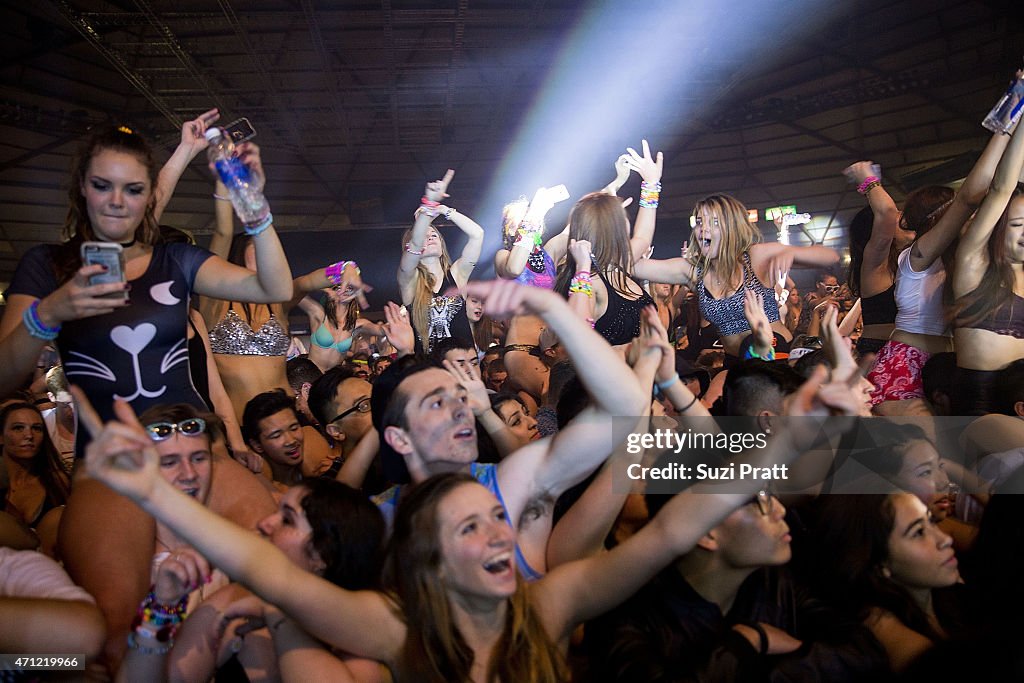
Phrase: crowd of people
(435, 492)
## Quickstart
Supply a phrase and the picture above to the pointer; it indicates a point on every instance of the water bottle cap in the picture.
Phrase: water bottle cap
(212, 133)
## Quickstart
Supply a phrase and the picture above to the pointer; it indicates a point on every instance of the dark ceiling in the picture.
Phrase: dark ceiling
(357, 104)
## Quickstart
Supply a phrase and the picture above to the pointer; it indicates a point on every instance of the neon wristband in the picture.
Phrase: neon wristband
(662, 386)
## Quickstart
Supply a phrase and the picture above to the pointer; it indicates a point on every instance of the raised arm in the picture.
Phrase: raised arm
(582, 529)
(885, 212)
(967, 199)
(581, 289)
(464, 265)
(673, 271)
(192, 143)
(581, 590)
(272, 281)
(549, 466)
(972, 253)
(649, 169)
(122, 457)
(435, 192)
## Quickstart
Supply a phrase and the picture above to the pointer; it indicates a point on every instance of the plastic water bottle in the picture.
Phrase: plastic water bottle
(1008, 110)
(245, 188)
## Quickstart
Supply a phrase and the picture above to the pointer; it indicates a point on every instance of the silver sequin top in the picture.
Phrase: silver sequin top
(232, 336)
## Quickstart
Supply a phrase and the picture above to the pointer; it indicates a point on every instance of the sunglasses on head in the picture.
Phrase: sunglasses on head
(159, 431)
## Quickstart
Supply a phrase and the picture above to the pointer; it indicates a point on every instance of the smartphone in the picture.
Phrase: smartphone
(111, 255)
(558, 193)
(239, 131)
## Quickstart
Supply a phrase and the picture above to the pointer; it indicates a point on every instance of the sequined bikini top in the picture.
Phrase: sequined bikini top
(232, 336)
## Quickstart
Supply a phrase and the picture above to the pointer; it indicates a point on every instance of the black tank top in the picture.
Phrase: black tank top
(621, 320)
(447, 315)
(879, 309)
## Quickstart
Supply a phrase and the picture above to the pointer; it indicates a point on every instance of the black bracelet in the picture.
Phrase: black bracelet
(763, 650)
(688, 405)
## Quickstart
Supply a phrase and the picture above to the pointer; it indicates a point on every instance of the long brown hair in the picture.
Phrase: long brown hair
(600, 219)
(435, 651)
(425, 287)
(996, 287)
(351, 313)
(46, 464)
(77, 228)
(738, 233)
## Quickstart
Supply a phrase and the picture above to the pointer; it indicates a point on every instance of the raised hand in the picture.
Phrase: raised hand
(753, 311)
(469, 377)
(77, 299)
(580, 251)
(837, 347)
(121, 454)
(249, 154)
(647, 166)
(438, 189)
(398, 329)
(859, 170)
(193, 133)
(506, 298)
(182, 572)
(779, 267)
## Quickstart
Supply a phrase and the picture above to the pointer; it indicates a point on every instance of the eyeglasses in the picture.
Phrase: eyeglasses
(833, 289)
(160, 431)
(361, 406)
(765, 500)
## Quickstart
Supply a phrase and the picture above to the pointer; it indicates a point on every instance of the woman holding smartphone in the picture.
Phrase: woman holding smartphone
(133, 347)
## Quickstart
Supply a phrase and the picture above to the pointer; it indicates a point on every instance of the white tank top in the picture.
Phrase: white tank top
(919, 306)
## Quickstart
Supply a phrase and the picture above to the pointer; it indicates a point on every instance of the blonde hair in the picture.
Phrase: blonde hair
(423, 295)
(512, 215)
(738, 233)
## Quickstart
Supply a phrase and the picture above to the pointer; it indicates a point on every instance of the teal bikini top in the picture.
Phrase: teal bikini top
(323, 338)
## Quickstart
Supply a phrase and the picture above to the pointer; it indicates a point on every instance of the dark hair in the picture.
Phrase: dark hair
(77, 229)
(571, 401)
(351, 312)
(388, 409)
(1008, 388)
(860, 233)
(261, 406)
(301, 370)
(236, 255)
(754, 385)
(347, 532)
(502, 397)
(324, 390)
(881, 445)
(443, 346)
(176, 412)
(850, 543)
(46, 464)
(938, 373)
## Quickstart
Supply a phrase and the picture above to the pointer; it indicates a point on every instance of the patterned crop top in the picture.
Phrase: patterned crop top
(727, 314)
(232, 336)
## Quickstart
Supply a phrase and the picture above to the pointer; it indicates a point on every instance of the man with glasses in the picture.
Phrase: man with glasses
(340, 402)
(827, 288)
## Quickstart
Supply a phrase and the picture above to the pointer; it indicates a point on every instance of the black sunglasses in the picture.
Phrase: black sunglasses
(160, 431)
(361, 406)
